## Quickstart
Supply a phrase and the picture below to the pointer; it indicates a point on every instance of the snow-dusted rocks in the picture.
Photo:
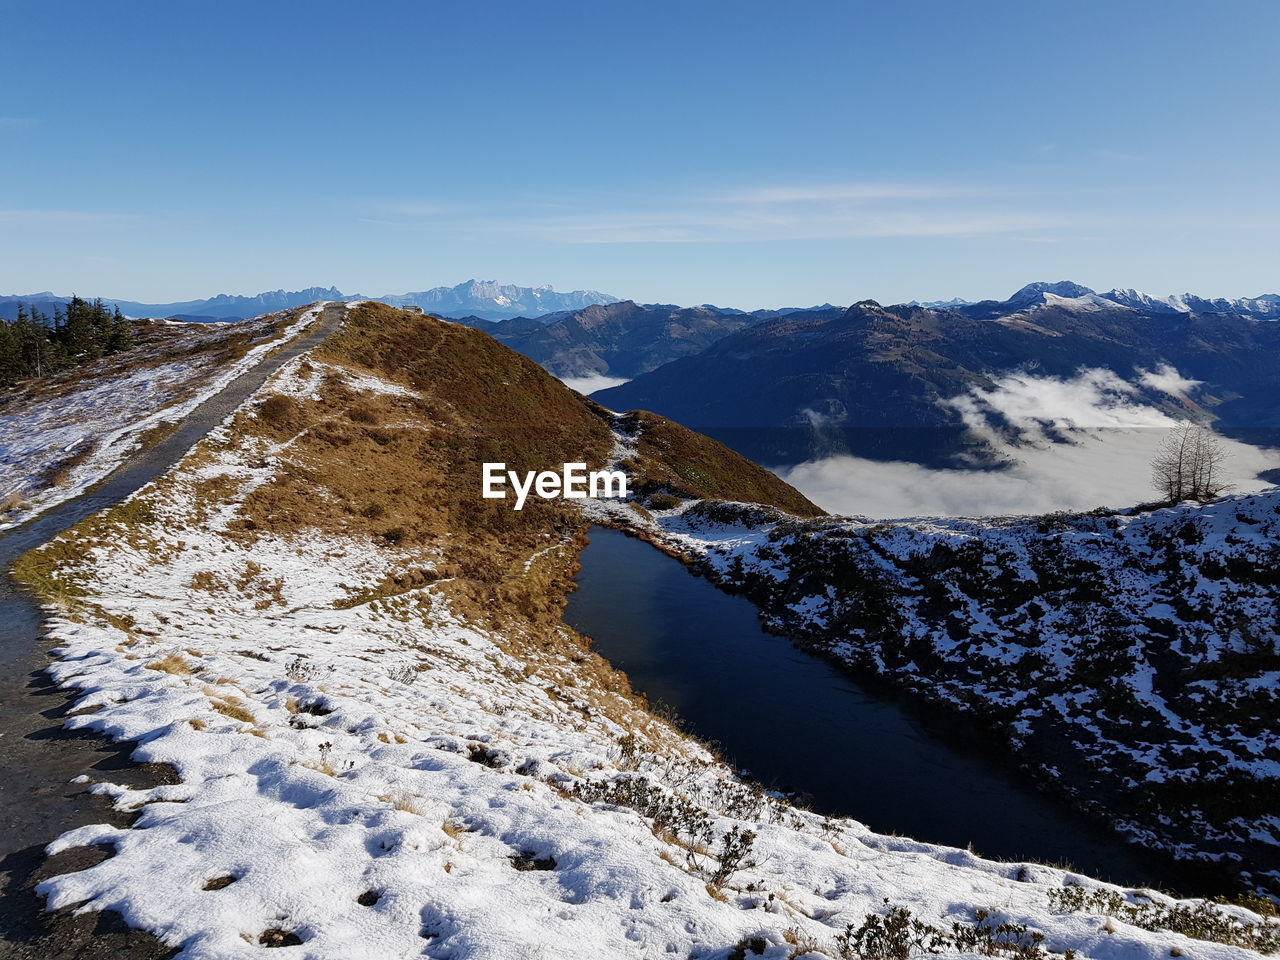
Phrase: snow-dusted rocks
(1130, 656)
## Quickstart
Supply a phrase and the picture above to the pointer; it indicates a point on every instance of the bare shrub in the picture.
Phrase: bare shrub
(1189, 464)
(301, 670)
(405, 673)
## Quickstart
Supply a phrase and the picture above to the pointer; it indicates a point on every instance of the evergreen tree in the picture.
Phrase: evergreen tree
(11, 366)
(78, 331)
(31, 346)
(119, 333)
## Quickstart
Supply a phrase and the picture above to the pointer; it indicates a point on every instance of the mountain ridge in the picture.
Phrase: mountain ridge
(788, 389)
(484, 298)
(496, 302)
(1264, 306)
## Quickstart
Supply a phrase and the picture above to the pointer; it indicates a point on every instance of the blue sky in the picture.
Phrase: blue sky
(746, 154)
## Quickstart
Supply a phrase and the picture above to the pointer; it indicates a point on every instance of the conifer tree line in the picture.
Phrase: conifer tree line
(35, 345)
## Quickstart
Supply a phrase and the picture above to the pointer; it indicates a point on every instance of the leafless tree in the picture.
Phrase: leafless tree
(1188, 464)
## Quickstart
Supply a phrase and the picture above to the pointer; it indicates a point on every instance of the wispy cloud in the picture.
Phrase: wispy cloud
(843, 192)
(1167, 379)
(746, 227)
(16, 123)
(64, 219)
(813, 211)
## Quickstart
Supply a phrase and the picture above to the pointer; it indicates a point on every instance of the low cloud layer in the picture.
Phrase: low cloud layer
(1112, 437)
(1094, 399)
(1109, 468)
(597, 381)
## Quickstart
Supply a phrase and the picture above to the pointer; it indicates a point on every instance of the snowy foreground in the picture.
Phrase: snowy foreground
(386, 780)
(92, 427)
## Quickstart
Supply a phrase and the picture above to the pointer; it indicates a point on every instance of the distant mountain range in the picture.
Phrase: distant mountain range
(1266, 306)
(875, 380)
(480, 298)
(489, 300)
(496, 301)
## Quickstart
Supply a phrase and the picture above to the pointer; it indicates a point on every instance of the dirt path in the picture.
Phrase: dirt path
(38, 759)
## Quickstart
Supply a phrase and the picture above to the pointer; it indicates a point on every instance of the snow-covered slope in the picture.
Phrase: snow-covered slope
(60, 436)
(385, 752)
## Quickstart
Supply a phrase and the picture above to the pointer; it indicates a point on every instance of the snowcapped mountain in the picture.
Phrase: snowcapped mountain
(1266, 305)
(874, 378)
(939, 304)
(1040, 294)
(1034, 293)
(491, 300)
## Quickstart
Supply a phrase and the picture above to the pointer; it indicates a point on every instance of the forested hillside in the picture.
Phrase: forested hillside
(35, 345)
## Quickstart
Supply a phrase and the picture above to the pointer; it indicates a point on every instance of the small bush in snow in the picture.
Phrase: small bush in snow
(405, 673)
(897, 935)
(732, 856)
(677, 819)
(1200, 922)
(302, 670)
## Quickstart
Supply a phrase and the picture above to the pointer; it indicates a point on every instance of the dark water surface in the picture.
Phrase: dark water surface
(797, 722)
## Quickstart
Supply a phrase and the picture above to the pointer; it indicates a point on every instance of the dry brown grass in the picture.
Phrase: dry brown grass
(369, 411)
(280, 411)
(408, 803)
(173, 663)
(233, 707)
(411, 486)
(693, 466)
(206, 581)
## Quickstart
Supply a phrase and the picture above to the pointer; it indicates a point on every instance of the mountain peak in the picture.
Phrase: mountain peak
(491, 300)
(1061, 288)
